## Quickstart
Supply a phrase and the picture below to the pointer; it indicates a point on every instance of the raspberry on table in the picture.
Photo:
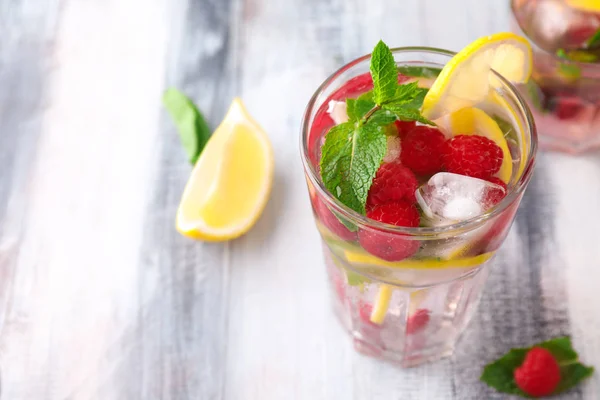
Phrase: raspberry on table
(330, 221)
(422, 150)
(392, 182)
(389, 246)
(404, 127)
(539, 374)
(472, 155)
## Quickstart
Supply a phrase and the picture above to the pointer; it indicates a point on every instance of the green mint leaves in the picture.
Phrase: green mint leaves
(500, 373)
(354, 150)
(350, 158)
(191, 125)
(384, 73)
(593, 41)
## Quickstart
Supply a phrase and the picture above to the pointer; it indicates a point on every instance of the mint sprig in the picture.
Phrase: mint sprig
(191, 125)
(354, 150)
(500, 373)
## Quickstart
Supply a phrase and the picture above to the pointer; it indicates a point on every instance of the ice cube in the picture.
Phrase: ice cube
(338, 112)
(448, 198)
(393, 149)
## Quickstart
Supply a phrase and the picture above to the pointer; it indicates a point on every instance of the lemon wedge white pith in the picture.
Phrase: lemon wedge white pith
(231, 181)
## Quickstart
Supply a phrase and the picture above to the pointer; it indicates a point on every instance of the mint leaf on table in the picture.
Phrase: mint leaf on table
(191, 125)
(384, 73)
(351, 157)
(500, 373)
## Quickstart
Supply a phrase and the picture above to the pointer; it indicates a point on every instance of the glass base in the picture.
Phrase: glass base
(406, 326)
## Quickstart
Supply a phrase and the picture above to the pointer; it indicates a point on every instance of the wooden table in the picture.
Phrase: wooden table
(100, 298)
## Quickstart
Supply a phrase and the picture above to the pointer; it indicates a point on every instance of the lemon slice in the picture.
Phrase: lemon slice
(231, 181)
(497, 105)
(466, 79)
(473, 121)
(585, 5)
(428, 263)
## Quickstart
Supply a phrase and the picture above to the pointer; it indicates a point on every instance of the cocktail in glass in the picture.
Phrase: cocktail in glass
(413, 310)
(564, 91)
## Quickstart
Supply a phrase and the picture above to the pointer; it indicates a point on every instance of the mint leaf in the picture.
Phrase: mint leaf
(419, 72)
(358, 108)
(404, 93)
(382, 118)
(500, 373)
(593, 41)
(384, 73)
(350, 158)
(355, 279)
(407, 114)
(566, 69)
(191, 125)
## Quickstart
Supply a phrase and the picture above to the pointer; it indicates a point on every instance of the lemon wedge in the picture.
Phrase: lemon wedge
(231, 181)
(473, 121)
(466, 79)
(585, 5)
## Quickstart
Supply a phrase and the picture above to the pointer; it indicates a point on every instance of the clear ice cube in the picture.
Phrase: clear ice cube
(337, 110)
(449, 198)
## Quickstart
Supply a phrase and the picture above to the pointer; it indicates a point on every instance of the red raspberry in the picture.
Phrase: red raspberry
(422, 150)
(472, 155)
(417, 321)
(330, 221)
(404, 127)
(539, 374)
(494, 196)
(566, 108)
(392, 182)
(385, 245)
(364, 312)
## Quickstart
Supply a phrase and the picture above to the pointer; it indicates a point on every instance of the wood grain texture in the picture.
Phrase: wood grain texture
(100, 298)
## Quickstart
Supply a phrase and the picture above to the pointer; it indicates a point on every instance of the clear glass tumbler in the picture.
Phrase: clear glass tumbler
(411, 311)
(564, 95)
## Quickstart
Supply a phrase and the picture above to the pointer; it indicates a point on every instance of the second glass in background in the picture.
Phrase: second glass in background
(564, 90)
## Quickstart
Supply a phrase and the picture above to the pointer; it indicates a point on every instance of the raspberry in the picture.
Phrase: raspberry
(330, 221)
(389, 246)
(566, 108)
(364, 312)
(404, 127)
(392, 182)
(539, 374)
(422, 150)
(494, 196)
(472, 155)
(417, 321)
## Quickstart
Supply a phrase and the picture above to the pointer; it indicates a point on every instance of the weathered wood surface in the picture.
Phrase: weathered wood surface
(100, 298)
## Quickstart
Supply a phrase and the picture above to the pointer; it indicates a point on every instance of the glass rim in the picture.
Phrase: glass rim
(582, 64)
(471, 223)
